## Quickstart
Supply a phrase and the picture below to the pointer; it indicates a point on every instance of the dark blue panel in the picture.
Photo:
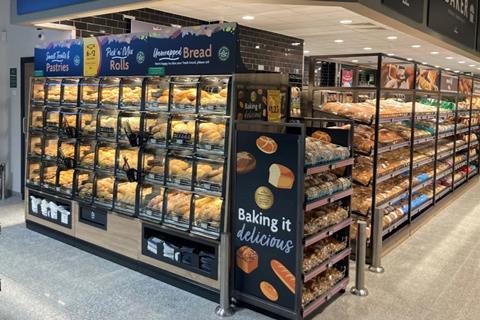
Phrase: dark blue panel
(32, 6)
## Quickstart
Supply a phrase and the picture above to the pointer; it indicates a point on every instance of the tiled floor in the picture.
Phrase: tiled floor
(433, 275)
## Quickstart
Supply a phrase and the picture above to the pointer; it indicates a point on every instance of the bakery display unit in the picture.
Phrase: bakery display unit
(129, 127)
(412, 132)
(109, 93)
(89, 88)
(38, 91)
(52, 119)
(68, 122)
(131, 91)
(53, 88)
(36, 118)
(157, 94)
(107, 125)
(70, 88)
(183, 94)
(312, 162)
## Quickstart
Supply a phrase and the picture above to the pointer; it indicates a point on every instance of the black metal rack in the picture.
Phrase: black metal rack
(428, 92)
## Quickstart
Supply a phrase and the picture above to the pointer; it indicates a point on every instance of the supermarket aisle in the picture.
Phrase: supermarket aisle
(433, 275)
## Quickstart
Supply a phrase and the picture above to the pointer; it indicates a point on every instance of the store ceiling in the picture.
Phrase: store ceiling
(320, 27)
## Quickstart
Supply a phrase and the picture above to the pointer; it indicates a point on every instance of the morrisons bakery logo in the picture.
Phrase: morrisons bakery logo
(223, 53)
(463, 7)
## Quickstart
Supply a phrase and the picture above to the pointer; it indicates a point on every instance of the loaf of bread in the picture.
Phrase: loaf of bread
(209, 173)
(246, 259)
(280, 176)
(179, 169)
(208, 212)
(187, 97)
(211, 133)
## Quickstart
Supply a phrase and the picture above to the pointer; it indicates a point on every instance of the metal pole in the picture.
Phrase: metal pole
(3, 175)
(359, 288)
(377, 234)
(224, 309)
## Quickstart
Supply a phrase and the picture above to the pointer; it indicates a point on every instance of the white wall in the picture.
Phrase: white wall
(20, 43)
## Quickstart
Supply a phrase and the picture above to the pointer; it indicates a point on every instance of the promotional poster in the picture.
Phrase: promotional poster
(59, 59)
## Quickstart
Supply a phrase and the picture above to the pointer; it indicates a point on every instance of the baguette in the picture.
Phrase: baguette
(283, 274)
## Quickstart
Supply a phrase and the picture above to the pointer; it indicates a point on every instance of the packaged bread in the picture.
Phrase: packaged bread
(320, 285)
(324, 217)
(207, 214)
(319, 152)
(320, 252)
(157, 94)
(178, 208)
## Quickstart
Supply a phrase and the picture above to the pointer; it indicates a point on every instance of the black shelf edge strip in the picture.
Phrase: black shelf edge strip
(392, 174)
(327, 264)
(391, 201)
(330, 166)
(329, 199)
(311, 307)
(394, 226)
(424, 205)
(327, 232)
(422, 185)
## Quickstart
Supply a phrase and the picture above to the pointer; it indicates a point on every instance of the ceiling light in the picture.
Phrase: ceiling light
(434, 52)
(456, 71)
(248, 17)
(367, 48)
(437, 66)
(257, 47)
(296, 44)
(448, 69)
(471, 65)
(416, 46)
(346, 21)
(409, 59)
(355, 61)
(461, 62)
(424, 62)
(449, 58)
(306, 51)
(338, 41)
(390, 54)
(392, 37)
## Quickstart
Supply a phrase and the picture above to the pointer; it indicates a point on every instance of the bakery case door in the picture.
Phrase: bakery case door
(26, 72)
(267, 220)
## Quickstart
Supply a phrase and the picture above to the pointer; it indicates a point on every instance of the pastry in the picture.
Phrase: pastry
(283, 274)
(269, 291)
(105, 188)
(88, 123)
(131, 95)
(126, 193)
(246, 162)
(266, 144)
(36, 119)
(323, 136)
(90, 94)
(247, 259)
(110, 95)
(280, 176)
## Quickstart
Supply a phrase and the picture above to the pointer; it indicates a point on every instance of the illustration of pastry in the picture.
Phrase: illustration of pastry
(280, 176)
(283, 274)
(266, 144)
(264, 198)
(247, 259)
(269, 291)
(245, 162)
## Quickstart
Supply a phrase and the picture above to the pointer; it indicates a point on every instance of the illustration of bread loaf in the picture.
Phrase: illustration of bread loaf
(269, 291)
(280, 176)
(245, 162)
(283, 274)
(247, 259)
(266, 144)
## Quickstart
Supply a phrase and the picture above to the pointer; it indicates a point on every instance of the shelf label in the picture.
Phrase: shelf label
(91, 57)
(265, 217)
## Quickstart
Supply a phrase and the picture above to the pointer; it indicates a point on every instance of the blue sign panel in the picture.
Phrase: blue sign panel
(207, 49)
(32, 6)
(123, 55)
(59, 59)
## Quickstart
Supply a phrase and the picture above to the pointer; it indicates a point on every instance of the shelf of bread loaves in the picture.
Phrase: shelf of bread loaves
(323, 155)
(325, 221)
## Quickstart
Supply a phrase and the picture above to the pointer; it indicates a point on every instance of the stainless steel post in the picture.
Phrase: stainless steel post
(224, 309)
(360, 252)
(3, 182)
(377, 242)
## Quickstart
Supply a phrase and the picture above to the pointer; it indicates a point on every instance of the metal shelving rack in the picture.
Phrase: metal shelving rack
(367, 78)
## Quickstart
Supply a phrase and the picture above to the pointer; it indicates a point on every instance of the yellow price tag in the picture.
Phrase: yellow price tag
(274, 112)
(91, 57)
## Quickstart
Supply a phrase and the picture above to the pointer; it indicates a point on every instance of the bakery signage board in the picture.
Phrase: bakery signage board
(59, 59)
(412, 9)
(206, 49)
(397, 76)
(123, 55)
(476, 88)
(427, 79)
(50, 209)
(456, 19)
(449, 83)
(251, 103)
(265, 218)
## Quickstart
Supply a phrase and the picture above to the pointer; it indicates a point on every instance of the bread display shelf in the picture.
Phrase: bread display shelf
(461, 148)
(328, 199)
(392, 147)
(443, 174)
(460, 164)
(463, 112)
(423, 162)
(421, 185)
(464, 130)
(443, 193)
(327, 264)
(445, 154)
(474, 158)
(392, 174)
(310, 240)
(459, 182)
(329, 166)
(394, 226)
(473, 144)
(313, 306)
(395, 199)
(446, 134)
(423, 140)
(420, 208)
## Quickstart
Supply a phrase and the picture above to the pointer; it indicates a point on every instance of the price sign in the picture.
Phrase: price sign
(91, 57)
(274, 105)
